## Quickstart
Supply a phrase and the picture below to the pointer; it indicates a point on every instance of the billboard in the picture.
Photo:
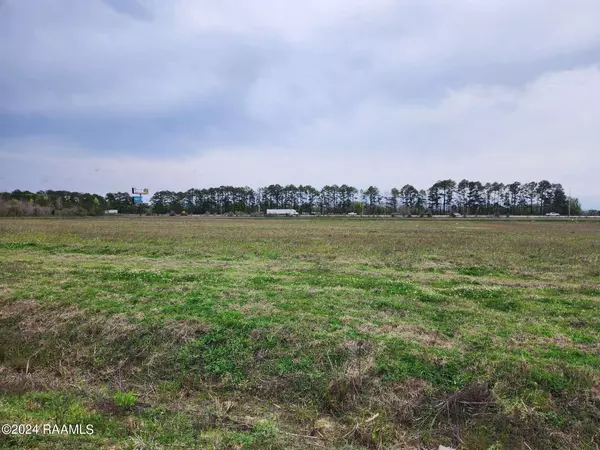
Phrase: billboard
(137, 199)
(139, 191)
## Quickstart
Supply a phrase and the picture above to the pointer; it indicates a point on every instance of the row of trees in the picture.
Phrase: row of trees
(45, 203)
(497, 198)
(443, 197)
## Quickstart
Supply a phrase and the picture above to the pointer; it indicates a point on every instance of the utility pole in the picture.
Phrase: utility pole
(569, 202)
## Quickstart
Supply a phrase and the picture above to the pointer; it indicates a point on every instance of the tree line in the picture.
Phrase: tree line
(442, 198)
(63, 203)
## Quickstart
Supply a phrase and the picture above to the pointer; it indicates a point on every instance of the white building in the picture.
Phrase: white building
(281, 212)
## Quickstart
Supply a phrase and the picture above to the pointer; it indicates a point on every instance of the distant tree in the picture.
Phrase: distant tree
(372, 197)
(544, 193)
(530, 189)
(347, 197)
(433, 197)
(409, 196)
(559, 202)
(446, 189)
(462, 194)
(393, 199)
(474, 196)
(421, 201)
(514, 191)
(575, 209)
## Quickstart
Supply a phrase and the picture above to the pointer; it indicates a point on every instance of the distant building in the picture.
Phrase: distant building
(281, 212)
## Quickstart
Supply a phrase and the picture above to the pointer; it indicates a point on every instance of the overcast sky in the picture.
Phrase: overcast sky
(103, 95)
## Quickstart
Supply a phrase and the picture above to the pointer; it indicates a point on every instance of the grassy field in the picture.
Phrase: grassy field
(237, 333)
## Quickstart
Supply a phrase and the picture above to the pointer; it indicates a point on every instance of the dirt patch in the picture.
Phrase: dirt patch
(367, 328)
(596, 390)
(115, 327)
(104, 406)
(261, 306)
(560, 341)
(47, 321)
(415, 333)
(358, 347)
(345, 389)
(404, 399)
(186, 331)
(17, 381)
(459, 406)
(17, 308)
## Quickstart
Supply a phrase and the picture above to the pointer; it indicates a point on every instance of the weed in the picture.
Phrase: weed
(125, 400)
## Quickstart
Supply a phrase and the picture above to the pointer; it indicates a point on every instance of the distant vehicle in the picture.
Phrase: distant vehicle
(352, 214)
(553, 214)
(282, 212)
(111, 211)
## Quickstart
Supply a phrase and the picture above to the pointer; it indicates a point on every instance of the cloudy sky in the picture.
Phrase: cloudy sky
(102, 95)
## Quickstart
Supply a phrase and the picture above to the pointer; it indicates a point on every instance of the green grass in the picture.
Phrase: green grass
(239, 333)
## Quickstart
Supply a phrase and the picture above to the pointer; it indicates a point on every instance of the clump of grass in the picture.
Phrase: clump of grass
(124, 400)
(480, 271)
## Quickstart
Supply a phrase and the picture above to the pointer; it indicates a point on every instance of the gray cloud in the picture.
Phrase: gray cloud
(434, 84)
(132, 8)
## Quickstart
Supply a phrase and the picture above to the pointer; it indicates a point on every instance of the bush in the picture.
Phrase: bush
(16, 208)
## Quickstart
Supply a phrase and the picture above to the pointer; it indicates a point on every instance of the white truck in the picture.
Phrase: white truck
(282, 212)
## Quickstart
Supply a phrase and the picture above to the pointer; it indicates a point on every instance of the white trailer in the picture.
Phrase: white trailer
(282, 212)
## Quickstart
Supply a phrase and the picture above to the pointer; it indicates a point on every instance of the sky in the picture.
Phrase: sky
(102, 95)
